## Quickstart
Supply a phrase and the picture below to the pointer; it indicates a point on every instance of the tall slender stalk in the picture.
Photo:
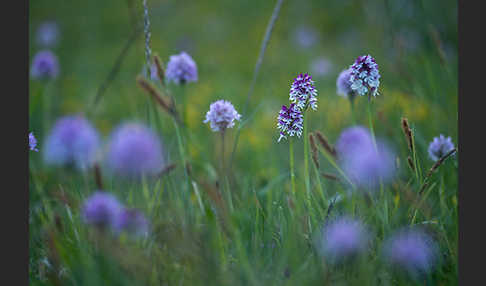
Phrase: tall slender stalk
(182, 153)
(306, 171)
(225, 189)
(373, 138)
(414, 154)
(315, 160)
(222, 155)
(116, 67)
(146, 30)
(353, 115)
(306, 159)
(370, 122)
(263, 47)
(322, 193)
(292, 173)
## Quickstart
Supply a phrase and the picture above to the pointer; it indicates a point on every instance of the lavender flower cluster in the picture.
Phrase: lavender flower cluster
(409, 250)
(104, 211)
(366, 164)
(45, 65)
(72, 141)
(221, 115)
(343, 239)
(134, 150)
(101, 209)
(181, 69)
(439, 147)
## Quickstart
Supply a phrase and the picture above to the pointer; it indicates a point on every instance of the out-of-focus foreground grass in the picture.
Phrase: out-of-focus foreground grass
(259, 240)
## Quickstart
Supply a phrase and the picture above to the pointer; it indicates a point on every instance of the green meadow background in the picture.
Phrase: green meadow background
(259, 239)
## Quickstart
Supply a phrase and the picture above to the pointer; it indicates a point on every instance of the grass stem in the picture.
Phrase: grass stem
(292, 173)
(306, 162)
(370, 122)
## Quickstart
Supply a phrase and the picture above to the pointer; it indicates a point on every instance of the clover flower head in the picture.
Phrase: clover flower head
(101, 209)
(303, 93)
(343, 85)
(72, 140)
(181, 69)
(439, 147)
(365, 76)
(47, 34)
(344, 238)
(44, 65)
(131, 221)
(290, 121)
(221, 115)
(135, 150)
(32, 142)
(411, 250)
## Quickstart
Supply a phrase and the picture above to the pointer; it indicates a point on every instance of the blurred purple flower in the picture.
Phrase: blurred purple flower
(47, 34)
(343, 84)
(32, 142)
(321, 66)
(135, 150)
(352, 140)
(221, 115)
(131, 221)
(44, 65)
(181, 69)
(344, 238)
(411, 250)
(303, 92)
(72, 140)
(364, 164)
(290, 122)
(365, 76)
(371, 166)
(305, 36)
(101, 209)
(439, 147)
